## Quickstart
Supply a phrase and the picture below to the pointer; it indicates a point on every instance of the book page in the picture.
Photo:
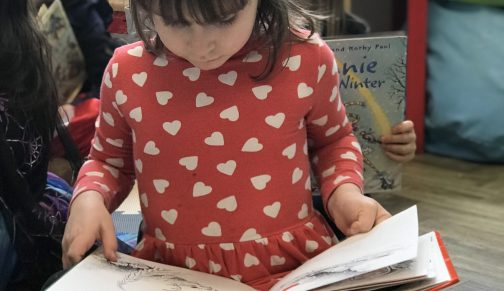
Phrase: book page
(417, 269)
(373, 87)
(391, 242)
(439, 272)
(129, 273)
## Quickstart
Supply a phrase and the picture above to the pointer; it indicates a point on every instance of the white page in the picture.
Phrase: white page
(96, 274)
(417, 269)
(392, 241)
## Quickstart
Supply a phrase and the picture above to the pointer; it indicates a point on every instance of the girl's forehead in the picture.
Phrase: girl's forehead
(200, 11)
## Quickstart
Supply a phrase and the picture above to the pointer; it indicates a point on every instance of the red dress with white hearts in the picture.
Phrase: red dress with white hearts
(223, 161)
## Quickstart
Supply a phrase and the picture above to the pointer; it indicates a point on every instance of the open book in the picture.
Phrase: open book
(391, 254)
(373, 87)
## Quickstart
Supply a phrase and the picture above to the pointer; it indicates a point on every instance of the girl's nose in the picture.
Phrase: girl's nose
(202, 42)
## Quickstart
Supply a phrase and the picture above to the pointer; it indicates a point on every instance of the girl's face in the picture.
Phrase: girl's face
(208, 46)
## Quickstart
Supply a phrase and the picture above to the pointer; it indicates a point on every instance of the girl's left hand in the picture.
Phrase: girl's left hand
(400, 145)
(354, 212)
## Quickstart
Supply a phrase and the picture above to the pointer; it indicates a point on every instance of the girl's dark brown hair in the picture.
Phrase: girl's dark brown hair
(25, 74)
(277, 21)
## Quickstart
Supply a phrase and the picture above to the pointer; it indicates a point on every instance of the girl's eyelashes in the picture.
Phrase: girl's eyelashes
(227, 21)
(182, 24)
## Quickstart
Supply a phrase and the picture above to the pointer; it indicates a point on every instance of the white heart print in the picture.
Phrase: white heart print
(136, 114)
(200, 189)
(277, 261)
(303, 213)
(229, 204)
(172, 127)
(260, 182)
(161, 61)
(161, 185)
(190, 262)
(272, 210)
(321, 121)
(231, 114)
(139, 78)
(120, 97)
(216, 139)
(214, 267)
(192, 74)
(229, 78)
(250, 234)
(311, 246)
(290, 151)
(252, 145)
(162, 97)
(332, 130)
(139, 165)
(293, 63)
(115, 142)
(328, 172)
(276, 120)
(136, 51)
(321, 72)
(107, 80)
(227, 168)
(252, 57)
(159, 234)
(202, 100)
(334, 94)
(297, 174)
(115, 69)
(213, 229)
(349, 156)
(190, 163)
(169, 216)
(144, 200)
(261, 92)
(151, 149)
(304, 90)
(287, 237)
(250, 260)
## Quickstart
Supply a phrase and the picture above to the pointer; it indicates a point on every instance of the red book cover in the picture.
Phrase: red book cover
(449, 265)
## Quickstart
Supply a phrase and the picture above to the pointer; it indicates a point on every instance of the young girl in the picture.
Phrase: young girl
(218, 114)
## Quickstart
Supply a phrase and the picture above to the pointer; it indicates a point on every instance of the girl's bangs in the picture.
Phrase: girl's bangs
(187, 11)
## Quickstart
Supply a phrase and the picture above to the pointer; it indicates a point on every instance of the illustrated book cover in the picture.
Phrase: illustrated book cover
(67, 59)
(372, 72)
(391, 254)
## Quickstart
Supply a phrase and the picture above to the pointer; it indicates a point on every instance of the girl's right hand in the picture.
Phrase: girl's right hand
(89, 221)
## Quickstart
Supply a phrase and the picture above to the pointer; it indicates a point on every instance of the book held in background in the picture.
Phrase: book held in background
(67, 59)
(372, 72)
(390, 255)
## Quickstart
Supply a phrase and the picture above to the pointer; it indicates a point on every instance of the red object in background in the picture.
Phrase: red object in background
(118, 24)
(81, 127)
(416, 68)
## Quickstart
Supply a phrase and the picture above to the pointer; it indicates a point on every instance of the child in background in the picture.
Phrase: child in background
(400, 145)
(28, 121)
(217, 114)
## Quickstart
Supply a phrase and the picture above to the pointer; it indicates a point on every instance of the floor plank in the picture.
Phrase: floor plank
(465, 203)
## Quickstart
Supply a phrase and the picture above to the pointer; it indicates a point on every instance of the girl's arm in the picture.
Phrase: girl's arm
(337, 157)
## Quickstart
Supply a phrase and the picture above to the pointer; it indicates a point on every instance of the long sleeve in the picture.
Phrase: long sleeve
(110, 169)
(335, 152)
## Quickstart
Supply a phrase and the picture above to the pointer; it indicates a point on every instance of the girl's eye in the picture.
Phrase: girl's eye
(227, 21)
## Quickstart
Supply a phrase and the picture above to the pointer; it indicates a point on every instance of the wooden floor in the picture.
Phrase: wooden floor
(465, 203)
